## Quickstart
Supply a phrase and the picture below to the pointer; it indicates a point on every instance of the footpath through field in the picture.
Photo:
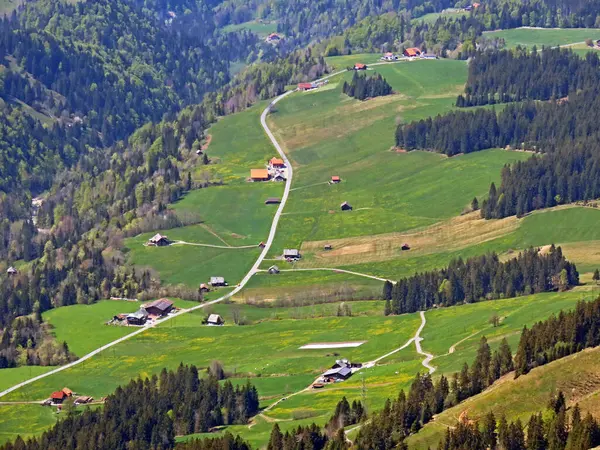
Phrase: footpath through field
(240, 286)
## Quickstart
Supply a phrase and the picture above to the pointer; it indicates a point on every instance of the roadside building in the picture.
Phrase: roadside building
(158, 240)
(338, 374)
(306, 86)
(276, 163)
(346, 206)
(279, 175)
(215, 320)
(335, 179)
(159, 308)
(204, 287)
(360, 66)
(412, 52)
(272, 201)
(273, 270)
(291, 253)
(261, 244)
(259, 175)
(58, 397)
(137, 318)
(84, 399)
(217, 281)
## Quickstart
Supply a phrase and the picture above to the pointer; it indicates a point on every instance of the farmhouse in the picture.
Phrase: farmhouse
(158, 240)
(204, 287)
(215, 320)
(412, 52)
(159, 308)
(291, 253)
(259, 175)
(428, 56)
(11, 270)
(276, 163)
(272, 201)
(338, 374)
(306, 86)
(137, 318)
(58, 397)
(360, 66)
(389, 56)
(217, 281)
(273, 270)
(346, 206)
(273, 37)
(335, 179)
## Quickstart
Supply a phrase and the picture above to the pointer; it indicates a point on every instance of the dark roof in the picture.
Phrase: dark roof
(162, 303)
(139, 314)
(342, 371)
(272, 200)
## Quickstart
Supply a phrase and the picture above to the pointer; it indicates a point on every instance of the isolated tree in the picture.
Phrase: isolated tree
(596, 276)
(494, 320)
(474, 204)
(216, 370)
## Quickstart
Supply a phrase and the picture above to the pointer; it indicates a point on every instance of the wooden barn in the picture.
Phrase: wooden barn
(160, 307)
(259, 175)
(158, 240)
(346, 206)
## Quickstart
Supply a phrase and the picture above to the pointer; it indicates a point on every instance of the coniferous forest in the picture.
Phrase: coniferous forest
(363, 87)
(481, 278)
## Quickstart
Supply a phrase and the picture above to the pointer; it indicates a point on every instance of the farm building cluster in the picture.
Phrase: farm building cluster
(275, 170)
(312, 85)
(58, 397)
(340, 371)
(147, 312)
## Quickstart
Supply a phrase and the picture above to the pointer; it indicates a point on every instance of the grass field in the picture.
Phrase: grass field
(260, 28)
(448, 14)
(551, 37)
(24, 420)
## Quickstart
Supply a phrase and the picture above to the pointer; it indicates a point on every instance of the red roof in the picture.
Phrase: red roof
(335, 178)
(413, 51)
(58, 395)
(305, 86)
(360, 66)
(276, 162)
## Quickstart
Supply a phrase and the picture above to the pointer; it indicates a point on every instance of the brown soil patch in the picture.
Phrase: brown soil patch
(207, 143)
(454, 234)
(400, 150)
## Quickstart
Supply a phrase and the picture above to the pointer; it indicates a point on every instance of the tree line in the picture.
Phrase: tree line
(149, 413)
(558, 336)
(555, 430)
(362, 87)
(481, 278)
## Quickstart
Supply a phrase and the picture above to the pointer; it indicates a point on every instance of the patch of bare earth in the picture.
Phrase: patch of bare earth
(454, 234)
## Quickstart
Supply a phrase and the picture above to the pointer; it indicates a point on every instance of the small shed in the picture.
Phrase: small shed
(306, 86)
(360, 66)
(137, 318)
(346, 206)
(204, 288)
(217, 281)
(291, 253)
(158, 240)
(261, 244)
(327, 247)
(405, 246)
(160, 307)
(84, 399)
(335, 179)
(11, 270)
(273, 270)
(272, 201)
(215, 320)
(259, 174)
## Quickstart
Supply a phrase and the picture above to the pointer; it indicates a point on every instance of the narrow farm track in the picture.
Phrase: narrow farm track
(418, 339)
(331, 269)
(240, 286)
(228, 247)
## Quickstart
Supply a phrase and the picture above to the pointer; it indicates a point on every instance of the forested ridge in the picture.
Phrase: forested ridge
(481, 278)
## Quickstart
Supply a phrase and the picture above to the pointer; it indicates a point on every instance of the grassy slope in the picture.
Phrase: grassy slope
(261, 29)
(233, 214)
(527, 37)
(24, 420)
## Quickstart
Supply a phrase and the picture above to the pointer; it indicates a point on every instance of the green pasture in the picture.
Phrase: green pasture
(447, 14)
(260, 28)
(551, 37)
(24, 420)
(10, 377)
(267, 349)
(344, 61)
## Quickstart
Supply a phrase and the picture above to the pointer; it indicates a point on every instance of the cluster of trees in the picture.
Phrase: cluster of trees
(408, 413)
(226, 442)
(362, 87)
(521, 74)
(304, 437)
(346, 414)
(480, 278)
(552, 430)
(558, 336)
(149, 413)
(28, 342)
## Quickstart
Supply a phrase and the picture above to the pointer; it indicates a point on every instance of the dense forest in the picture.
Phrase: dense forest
(149, 413)
(559, 336)
(549, 430)
(363, 87)
(481, 278)
(516, 75)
